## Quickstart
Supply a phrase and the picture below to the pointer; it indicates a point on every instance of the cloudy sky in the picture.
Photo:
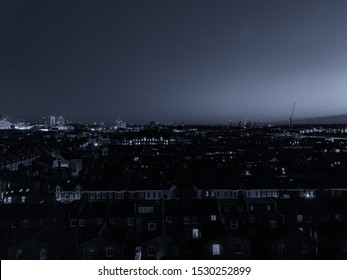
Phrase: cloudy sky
(178, 60)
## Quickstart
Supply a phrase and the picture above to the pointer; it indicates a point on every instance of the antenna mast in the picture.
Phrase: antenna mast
(291, 117)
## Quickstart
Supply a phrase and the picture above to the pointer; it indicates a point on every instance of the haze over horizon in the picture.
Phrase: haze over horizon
(191, 61)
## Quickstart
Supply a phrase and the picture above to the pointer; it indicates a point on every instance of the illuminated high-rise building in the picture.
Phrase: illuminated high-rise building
(60, 121)
(52, 121)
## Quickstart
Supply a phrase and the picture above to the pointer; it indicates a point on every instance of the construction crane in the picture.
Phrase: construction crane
(291, 117)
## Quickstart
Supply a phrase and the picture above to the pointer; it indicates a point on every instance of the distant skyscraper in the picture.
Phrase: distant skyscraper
(4, 124)
(52, 121)
(120, 123)
(61, 121)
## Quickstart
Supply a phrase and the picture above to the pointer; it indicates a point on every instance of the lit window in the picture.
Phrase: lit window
(299, 218)
(43, 254)
(196, 233)
(148, 209)
(268, 207)
(19, 254)
(251, 207)
(213, 218)
(82, 223)
(216, 249)
(109, 252)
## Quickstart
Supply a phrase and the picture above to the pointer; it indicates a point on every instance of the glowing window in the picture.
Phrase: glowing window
(216, 249)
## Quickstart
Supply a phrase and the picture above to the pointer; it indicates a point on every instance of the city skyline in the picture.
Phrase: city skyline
(172, 61)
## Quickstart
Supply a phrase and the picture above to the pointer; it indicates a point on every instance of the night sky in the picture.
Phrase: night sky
(179, 60)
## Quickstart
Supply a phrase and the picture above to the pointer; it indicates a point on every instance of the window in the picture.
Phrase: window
(268, 207)
(196, 234)
(338, 217)
(273, 223)
(98, 195)
(145, 209)
(251, 207)
(150, 251)
(110, 195)
(112, 220)
(234, 224)
(304, 248)
(281, 248)
(100, 221)
(326, 217)
(24, 223)
(103, 195)
(109, 252)
(92, 195)
(168, 219)
(13, 224)
(73, 223)
(151, 226)
(119, 195)
(131, 222)
(213, 218)
(43, 254)
(195, 220)
(186, 220)
(19, 254)
(139, 224)
(239, 248)
(82, 223)
(299, 218)
(216, 249)
(251, 219)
